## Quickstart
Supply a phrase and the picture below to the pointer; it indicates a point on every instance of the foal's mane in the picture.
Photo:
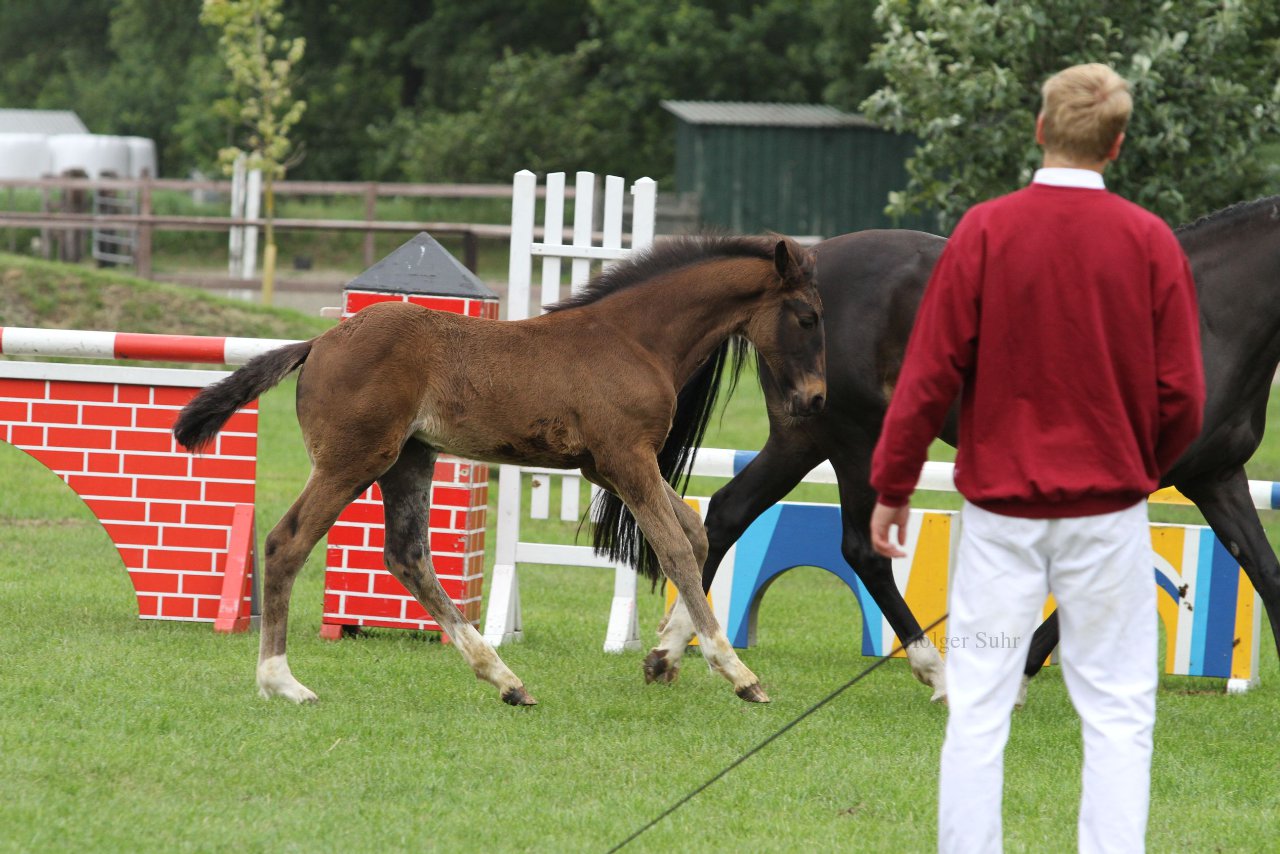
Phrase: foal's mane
(664, 257)
(616, 532)
(1234, 213)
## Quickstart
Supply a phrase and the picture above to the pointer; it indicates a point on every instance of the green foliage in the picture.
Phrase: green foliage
(849, 34)
(447, 90)
(161, 81)
(41, 71)
(963, 76)
(597, 106)
(261, 66)
(410, 60)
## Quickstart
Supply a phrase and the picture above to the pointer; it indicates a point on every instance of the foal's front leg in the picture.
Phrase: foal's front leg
(676, 630)
(643, 489)
(406, 495)
(785, 459)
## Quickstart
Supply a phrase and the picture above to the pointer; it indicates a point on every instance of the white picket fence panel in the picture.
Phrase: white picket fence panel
(503, 620)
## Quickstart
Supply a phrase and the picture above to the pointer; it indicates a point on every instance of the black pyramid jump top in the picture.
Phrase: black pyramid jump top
(421, 266)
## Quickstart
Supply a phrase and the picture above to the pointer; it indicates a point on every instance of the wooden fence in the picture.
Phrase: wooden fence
(67, 223)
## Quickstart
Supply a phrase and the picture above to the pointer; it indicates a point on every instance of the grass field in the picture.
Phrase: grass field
(122, 735)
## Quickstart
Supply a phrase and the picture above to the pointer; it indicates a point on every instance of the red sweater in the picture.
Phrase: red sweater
(1066, 319)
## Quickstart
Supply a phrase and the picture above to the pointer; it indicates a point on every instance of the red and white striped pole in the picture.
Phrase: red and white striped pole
(74, 343)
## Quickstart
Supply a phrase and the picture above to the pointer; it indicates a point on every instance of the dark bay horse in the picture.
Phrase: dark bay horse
(601, 383)
(871, 283)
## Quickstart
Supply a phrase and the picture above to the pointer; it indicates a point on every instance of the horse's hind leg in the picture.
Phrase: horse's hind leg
(312, 514)
(406, 495)
(1223, 498)
(1042, 644)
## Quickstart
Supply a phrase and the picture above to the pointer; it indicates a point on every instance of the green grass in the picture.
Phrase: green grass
(63, 296)
(123, 735)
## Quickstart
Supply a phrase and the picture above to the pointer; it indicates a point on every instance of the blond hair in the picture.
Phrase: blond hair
(1085, 108)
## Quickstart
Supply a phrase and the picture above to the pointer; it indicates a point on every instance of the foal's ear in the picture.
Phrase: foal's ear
(782, 260)
(789, 261)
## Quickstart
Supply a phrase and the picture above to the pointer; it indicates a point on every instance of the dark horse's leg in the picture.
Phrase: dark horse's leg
(783, 463)
(406, 497)
(857, 500)
(780, 465)
(1224, 499)
(1042, 643)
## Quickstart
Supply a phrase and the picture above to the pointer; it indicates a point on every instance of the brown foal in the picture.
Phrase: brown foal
(592, 384)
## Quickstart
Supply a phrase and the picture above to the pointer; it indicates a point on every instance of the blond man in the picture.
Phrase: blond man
(1065, 319)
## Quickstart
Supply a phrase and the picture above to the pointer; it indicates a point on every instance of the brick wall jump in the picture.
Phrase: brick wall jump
(107, 432)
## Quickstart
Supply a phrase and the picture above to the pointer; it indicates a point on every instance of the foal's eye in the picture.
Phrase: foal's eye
(808, 322)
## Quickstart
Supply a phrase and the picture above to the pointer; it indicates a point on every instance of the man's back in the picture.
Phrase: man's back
(1061, 406)
(1052, 300)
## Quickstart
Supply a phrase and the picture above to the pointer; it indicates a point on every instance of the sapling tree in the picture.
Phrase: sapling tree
(260, 99)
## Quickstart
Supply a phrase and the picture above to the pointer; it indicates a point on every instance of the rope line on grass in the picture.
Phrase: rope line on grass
(753, 751)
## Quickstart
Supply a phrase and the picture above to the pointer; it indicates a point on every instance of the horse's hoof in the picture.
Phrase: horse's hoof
(753, 693)
(1021, 699)
(517, 696)
(658, 668)
(296, 693)
(939, 696)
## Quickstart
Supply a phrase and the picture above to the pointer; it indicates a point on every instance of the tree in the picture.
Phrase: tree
(596, 106)
(963, 76)
(848, 36)
(43, 71)
(261, 65)
(159, 81)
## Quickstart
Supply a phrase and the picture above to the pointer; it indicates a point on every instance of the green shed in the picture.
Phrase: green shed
(798, 169)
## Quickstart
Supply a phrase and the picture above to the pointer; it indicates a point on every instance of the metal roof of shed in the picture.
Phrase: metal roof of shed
(422, 266)
(763, 114)
(40, 121)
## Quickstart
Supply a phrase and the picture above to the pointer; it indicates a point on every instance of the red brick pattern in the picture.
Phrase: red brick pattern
(168, 513)
(356, 300)
(358, 589)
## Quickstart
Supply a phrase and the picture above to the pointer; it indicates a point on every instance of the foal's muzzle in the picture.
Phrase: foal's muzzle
(803, 403)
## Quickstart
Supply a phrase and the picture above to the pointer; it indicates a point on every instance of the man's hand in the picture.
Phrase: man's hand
(882, 519)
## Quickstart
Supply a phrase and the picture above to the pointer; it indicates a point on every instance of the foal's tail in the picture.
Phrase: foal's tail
(616, 534)
(202, 418)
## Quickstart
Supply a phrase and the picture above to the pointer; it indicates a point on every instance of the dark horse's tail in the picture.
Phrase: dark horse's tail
(202, 418)
(616, 533)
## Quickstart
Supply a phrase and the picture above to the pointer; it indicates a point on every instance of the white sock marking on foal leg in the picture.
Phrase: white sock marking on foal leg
(275, 679)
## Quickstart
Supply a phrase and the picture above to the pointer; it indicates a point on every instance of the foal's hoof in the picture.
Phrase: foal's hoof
(753, 693)
(291, 689)
(518, 697)
(296, 693)
(658, 668)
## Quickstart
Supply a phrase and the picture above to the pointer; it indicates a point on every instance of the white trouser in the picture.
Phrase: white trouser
(1099, 568)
